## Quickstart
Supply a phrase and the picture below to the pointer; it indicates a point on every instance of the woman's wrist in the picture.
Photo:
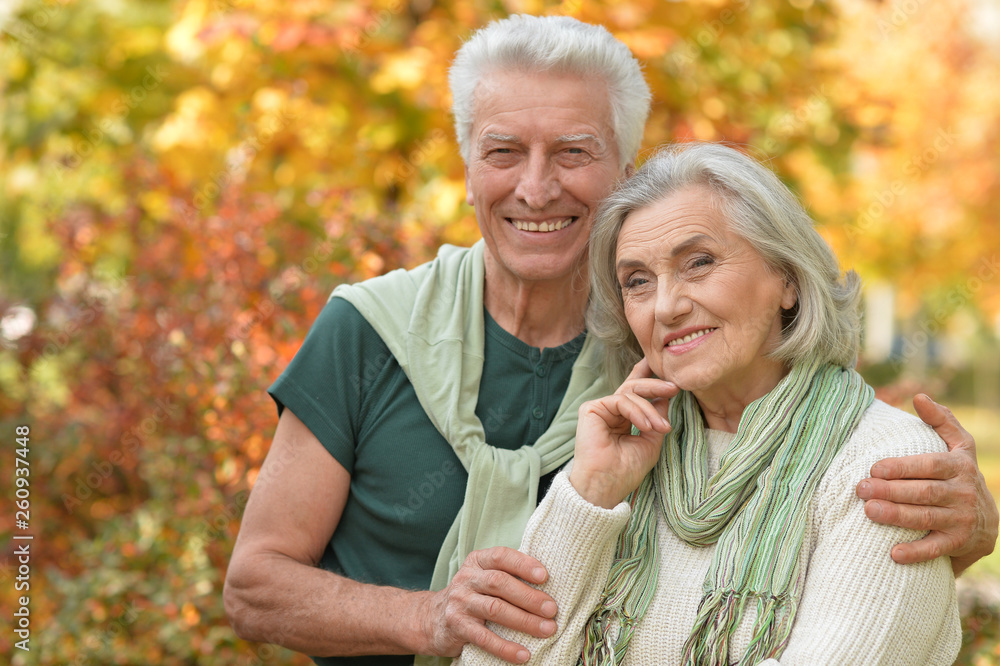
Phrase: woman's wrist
(597, 489)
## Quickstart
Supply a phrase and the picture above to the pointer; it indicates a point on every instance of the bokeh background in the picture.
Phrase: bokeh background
(183, 182)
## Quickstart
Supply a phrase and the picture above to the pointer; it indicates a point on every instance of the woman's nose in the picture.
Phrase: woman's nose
(672, 302)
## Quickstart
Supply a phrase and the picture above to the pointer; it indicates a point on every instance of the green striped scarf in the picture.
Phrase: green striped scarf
(755, 508)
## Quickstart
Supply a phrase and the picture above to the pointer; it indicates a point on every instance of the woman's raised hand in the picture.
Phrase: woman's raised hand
(610, 461)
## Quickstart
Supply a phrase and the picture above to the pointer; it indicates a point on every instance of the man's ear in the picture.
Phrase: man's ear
(468, 188)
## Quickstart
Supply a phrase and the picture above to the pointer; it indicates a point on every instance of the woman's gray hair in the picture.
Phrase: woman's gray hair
(825, 321)
(559, 44)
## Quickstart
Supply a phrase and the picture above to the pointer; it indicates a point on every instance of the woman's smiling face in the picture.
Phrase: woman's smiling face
(703, 304)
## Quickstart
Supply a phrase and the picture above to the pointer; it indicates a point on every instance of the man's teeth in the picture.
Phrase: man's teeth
(521, 225)
(689, 337)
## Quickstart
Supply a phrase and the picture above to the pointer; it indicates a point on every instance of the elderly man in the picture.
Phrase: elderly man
(382, 522)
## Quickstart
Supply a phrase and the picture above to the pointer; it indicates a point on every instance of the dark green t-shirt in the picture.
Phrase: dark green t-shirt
(407, 484)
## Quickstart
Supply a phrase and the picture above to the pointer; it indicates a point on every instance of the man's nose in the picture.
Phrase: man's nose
(539, 182)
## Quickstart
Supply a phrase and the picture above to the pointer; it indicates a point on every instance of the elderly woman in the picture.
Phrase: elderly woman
(721, 526)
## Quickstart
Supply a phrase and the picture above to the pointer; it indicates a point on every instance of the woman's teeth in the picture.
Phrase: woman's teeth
(689, 337)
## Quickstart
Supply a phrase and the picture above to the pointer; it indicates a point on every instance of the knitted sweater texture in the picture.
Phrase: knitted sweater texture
(857, 606)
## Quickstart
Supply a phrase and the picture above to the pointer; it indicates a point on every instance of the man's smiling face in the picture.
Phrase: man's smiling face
(543, 156)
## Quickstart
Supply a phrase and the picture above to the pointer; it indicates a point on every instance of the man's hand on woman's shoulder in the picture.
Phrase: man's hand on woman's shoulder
(944, 493)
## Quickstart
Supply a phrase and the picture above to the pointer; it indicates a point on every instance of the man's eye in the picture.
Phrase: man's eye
(501, 157)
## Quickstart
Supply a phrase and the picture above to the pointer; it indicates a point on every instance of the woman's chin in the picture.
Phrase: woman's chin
(696, 378)
(687, 381)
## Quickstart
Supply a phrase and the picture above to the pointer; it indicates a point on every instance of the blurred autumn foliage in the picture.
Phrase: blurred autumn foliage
(184, 182)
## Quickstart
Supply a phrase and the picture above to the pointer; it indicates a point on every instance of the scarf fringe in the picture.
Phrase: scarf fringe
(597, 648)
(622, 604)
(721, 612)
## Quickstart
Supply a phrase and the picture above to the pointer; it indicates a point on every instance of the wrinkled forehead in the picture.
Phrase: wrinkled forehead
(511, 89)
(681, 216)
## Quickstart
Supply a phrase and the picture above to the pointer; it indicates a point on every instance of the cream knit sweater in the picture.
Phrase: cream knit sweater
(857, 605)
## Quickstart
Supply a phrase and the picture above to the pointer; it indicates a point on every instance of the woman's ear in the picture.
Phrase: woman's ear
(790, 296)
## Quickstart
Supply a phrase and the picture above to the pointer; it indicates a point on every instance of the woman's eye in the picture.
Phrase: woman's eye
(702, 261)
(633, 282)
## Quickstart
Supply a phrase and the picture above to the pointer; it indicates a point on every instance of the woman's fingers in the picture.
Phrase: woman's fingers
(652, 396)
(649, 388)
(648, 417)
(610, 462)
(621, 410)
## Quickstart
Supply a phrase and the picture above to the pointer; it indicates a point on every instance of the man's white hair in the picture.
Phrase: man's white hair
(558, 44)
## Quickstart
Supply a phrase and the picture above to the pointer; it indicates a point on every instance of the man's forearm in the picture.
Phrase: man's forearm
(274, 599)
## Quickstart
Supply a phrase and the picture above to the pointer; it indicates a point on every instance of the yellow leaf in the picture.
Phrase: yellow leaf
(156, 204)
(404, 71)
(190, 614)
(446, 196)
